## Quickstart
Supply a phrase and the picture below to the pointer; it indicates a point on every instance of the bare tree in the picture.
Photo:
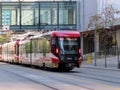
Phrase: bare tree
(104, 20)
(108, 15)
(95, 23)
(109, 18)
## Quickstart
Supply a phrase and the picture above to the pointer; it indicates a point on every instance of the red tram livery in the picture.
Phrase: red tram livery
(55, 49)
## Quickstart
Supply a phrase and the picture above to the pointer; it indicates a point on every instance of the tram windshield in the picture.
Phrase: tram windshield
(68, 45)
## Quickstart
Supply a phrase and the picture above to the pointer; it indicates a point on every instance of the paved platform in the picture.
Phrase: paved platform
(109, 62)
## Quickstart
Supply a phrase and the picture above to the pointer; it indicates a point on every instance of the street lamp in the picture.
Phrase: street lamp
(95, 46)
(95, 22)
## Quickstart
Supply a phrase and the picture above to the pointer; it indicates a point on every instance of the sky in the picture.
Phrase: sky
(115, 3)
(104, 3)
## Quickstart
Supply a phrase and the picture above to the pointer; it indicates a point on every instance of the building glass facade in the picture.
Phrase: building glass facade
(38, 15)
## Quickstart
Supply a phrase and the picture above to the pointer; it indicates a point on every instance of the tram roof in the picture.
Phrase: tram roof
(58, 33)
(66, 33)
(9, 43)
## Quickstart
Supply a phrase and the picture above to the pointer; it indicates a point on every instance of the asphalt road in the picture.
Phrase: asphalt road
(15, 77)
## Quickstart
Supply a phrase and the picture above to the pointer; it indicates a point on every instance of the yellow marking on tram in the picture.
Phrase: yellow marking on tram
(55, 65)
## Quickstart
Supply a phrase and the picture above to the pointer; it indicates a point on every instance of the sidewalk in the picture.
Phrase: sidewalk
(109, 63)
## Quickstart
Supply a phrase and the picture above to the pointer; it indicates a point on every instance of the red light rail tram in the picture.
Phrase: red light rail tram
(55, 49)
(10, 52)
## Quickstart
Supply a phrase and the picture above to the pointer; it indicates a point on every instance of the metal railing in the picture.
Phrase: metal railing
(105, 58)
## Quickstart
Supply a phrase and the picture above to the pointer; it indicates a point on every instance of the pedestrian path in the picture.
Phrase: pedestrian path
(109, 62)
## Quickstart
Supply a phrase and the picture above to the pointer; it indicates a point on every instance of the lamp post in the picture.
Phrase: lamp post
(20, 13)
(95, 22)
(95, 46)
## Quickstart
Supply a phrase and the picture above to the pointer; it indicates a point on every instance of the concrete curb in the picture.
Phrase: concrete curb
(102, 68)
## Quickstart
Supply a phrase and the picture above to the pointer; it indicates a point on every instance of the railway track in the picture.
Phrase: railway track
(35, 78)
(75, 79)
(98, 77)
(31, 80)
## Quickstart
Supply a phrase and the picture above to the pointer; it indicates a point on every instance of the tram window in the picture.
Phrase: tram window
(35, 47)
(53, 40)
(55, 45)
(47, 46)
(40, 45)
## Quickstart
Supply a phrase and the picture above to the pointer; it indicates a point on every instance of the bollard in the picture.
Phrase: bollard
(118, 65)
(89, 59)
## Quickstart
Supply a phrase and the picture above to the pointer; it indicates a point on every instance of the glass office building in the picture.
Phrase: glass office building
(47, 15)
